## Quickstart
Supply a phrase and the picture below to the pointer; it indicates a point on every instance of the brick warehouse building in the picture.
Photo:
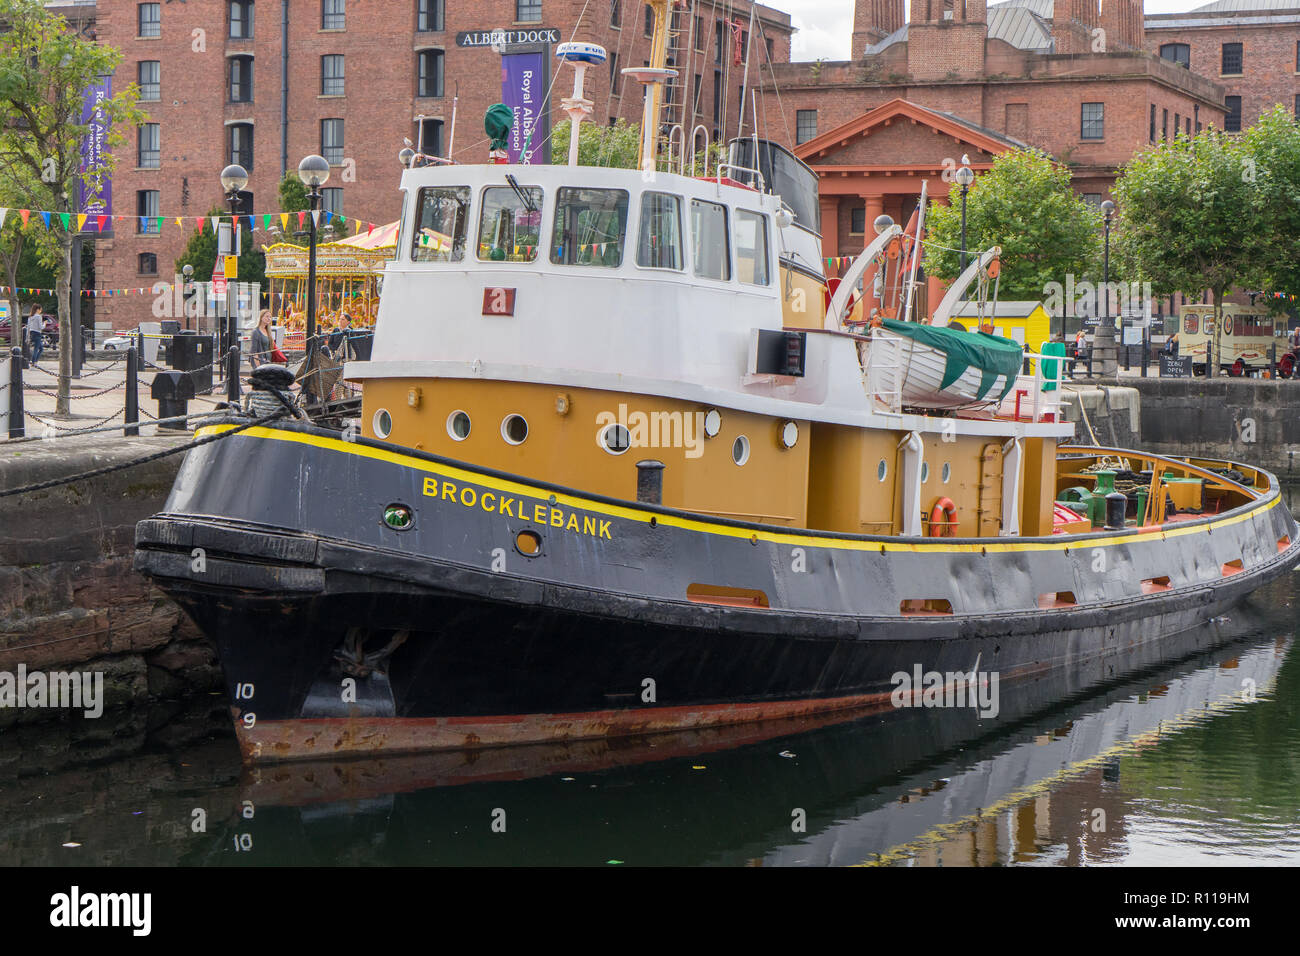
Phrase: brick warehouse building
(354, 78)
(1250, 47)
(1071, 77)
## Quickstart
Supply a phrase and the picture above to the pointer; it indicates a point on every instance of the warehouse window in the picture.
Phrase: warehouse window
(147, 77)
(1179, 53)
(241, 145)
(1232, 122)
(332, 16)
(430, 16)
(528, 11)
(331, 74)
(331, 141)
(430, 73)
(1231, 59)
(149, 17)
(149, 154)
(805, 125)
(146, 207)
(1092, 121)
(241, 79)
(147, 264)
(241, 19)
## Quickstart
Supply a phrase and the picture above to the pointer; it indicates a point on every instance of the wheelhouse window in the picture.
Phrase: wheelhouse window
(659, 245)
(1179, 53)
(241, 79)
(332, 15)
(751, 247)
(241, 19)
(442, 215)
(1092, 121)
(147, 76)
(510, 224)
(430, 16)
(590, 225)
(331, 74)
(1231, 59)
(149, 20)
(710, 239)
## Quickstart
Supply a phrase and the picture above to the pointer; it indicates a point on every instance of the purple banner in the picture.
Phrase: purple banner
(94, 146)
(523, 90)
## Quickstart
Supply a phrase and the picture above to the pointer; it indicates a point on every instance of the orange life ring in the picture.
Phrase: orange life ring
(939, 518)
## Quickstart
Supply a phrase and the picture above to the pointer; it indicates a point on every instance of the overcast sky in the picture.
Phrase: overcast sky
(824, 27)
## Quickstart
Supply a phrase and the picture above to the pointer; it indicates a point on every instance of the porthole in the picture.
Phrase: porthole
(528, 543)
(712, 423)
(946, 473)
(882, 469)
(514, 429)
(615, 439)
(458, 425)
(382, 423)
(740, 450)
(789, 434)
(398, 517)
(925, 472)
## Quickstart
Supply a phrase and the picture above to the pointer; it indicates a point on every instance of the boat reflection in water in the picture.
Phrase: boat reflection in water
(921, 786)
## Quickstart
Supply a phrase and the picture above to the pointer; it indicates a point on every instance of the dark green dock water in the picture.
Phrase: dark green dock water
(1194, 762)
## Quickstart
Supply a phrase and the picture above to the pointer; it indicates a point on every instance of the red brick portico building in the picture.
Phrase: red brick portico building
(876, 164)
(1071, 77)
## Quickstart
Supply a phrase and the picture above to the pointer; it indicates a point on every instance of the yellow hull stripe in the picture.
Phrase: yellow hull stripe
(993, 545)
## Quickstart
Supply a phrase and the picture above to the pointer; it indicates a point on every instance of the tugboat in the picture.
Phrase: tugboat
(622, 468)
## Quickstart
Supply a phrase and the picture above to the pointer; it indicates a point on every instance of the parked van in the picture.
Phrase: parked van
(1242, 341)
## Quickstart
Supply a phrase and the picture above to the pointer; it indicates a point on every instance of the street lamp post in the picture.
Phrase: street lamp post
(314, 171)
(1104, 339)
(965, 176)
(186, 285)
(233, 180)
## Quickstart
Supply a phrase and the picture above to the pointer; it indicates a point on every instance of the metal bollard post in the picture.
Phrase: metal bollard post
(16, 415)
(1272, 361)
(132, 392)
(1145, 356)
(650, 481)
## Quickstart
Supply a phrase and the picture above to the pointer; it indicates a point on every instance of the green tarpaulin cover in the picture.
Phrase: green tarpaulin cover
(991, 354)
(497, 123)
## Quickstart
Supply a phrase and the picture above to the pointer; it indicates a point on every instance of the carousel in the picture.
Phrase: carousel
(349, 276)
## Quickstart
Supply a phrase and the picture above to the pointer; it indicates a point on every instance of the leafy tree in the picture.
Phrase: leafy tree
(201, 253)
(44, 67)
(617, 146)
(292, 193)
(1191, 216)
(1024, 204)
(1273, 144)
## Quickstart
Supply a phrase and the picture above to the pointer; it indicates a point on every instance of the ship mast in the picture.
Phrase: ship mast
(653, 78)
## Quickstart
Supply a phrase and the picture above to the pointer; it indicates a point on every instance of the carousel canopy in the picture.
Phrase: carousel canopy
(359, 256)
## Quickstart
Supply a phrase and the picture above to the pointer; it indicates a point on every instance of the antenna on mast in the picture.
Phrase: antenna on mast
(581, 55)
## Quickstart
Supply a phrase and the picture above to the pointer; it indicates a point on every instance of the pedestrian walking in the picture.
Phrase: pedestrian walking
(36, 333)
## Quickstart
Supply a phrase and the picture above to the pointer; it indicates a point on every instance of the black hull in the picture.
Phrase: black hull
(445, 652)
